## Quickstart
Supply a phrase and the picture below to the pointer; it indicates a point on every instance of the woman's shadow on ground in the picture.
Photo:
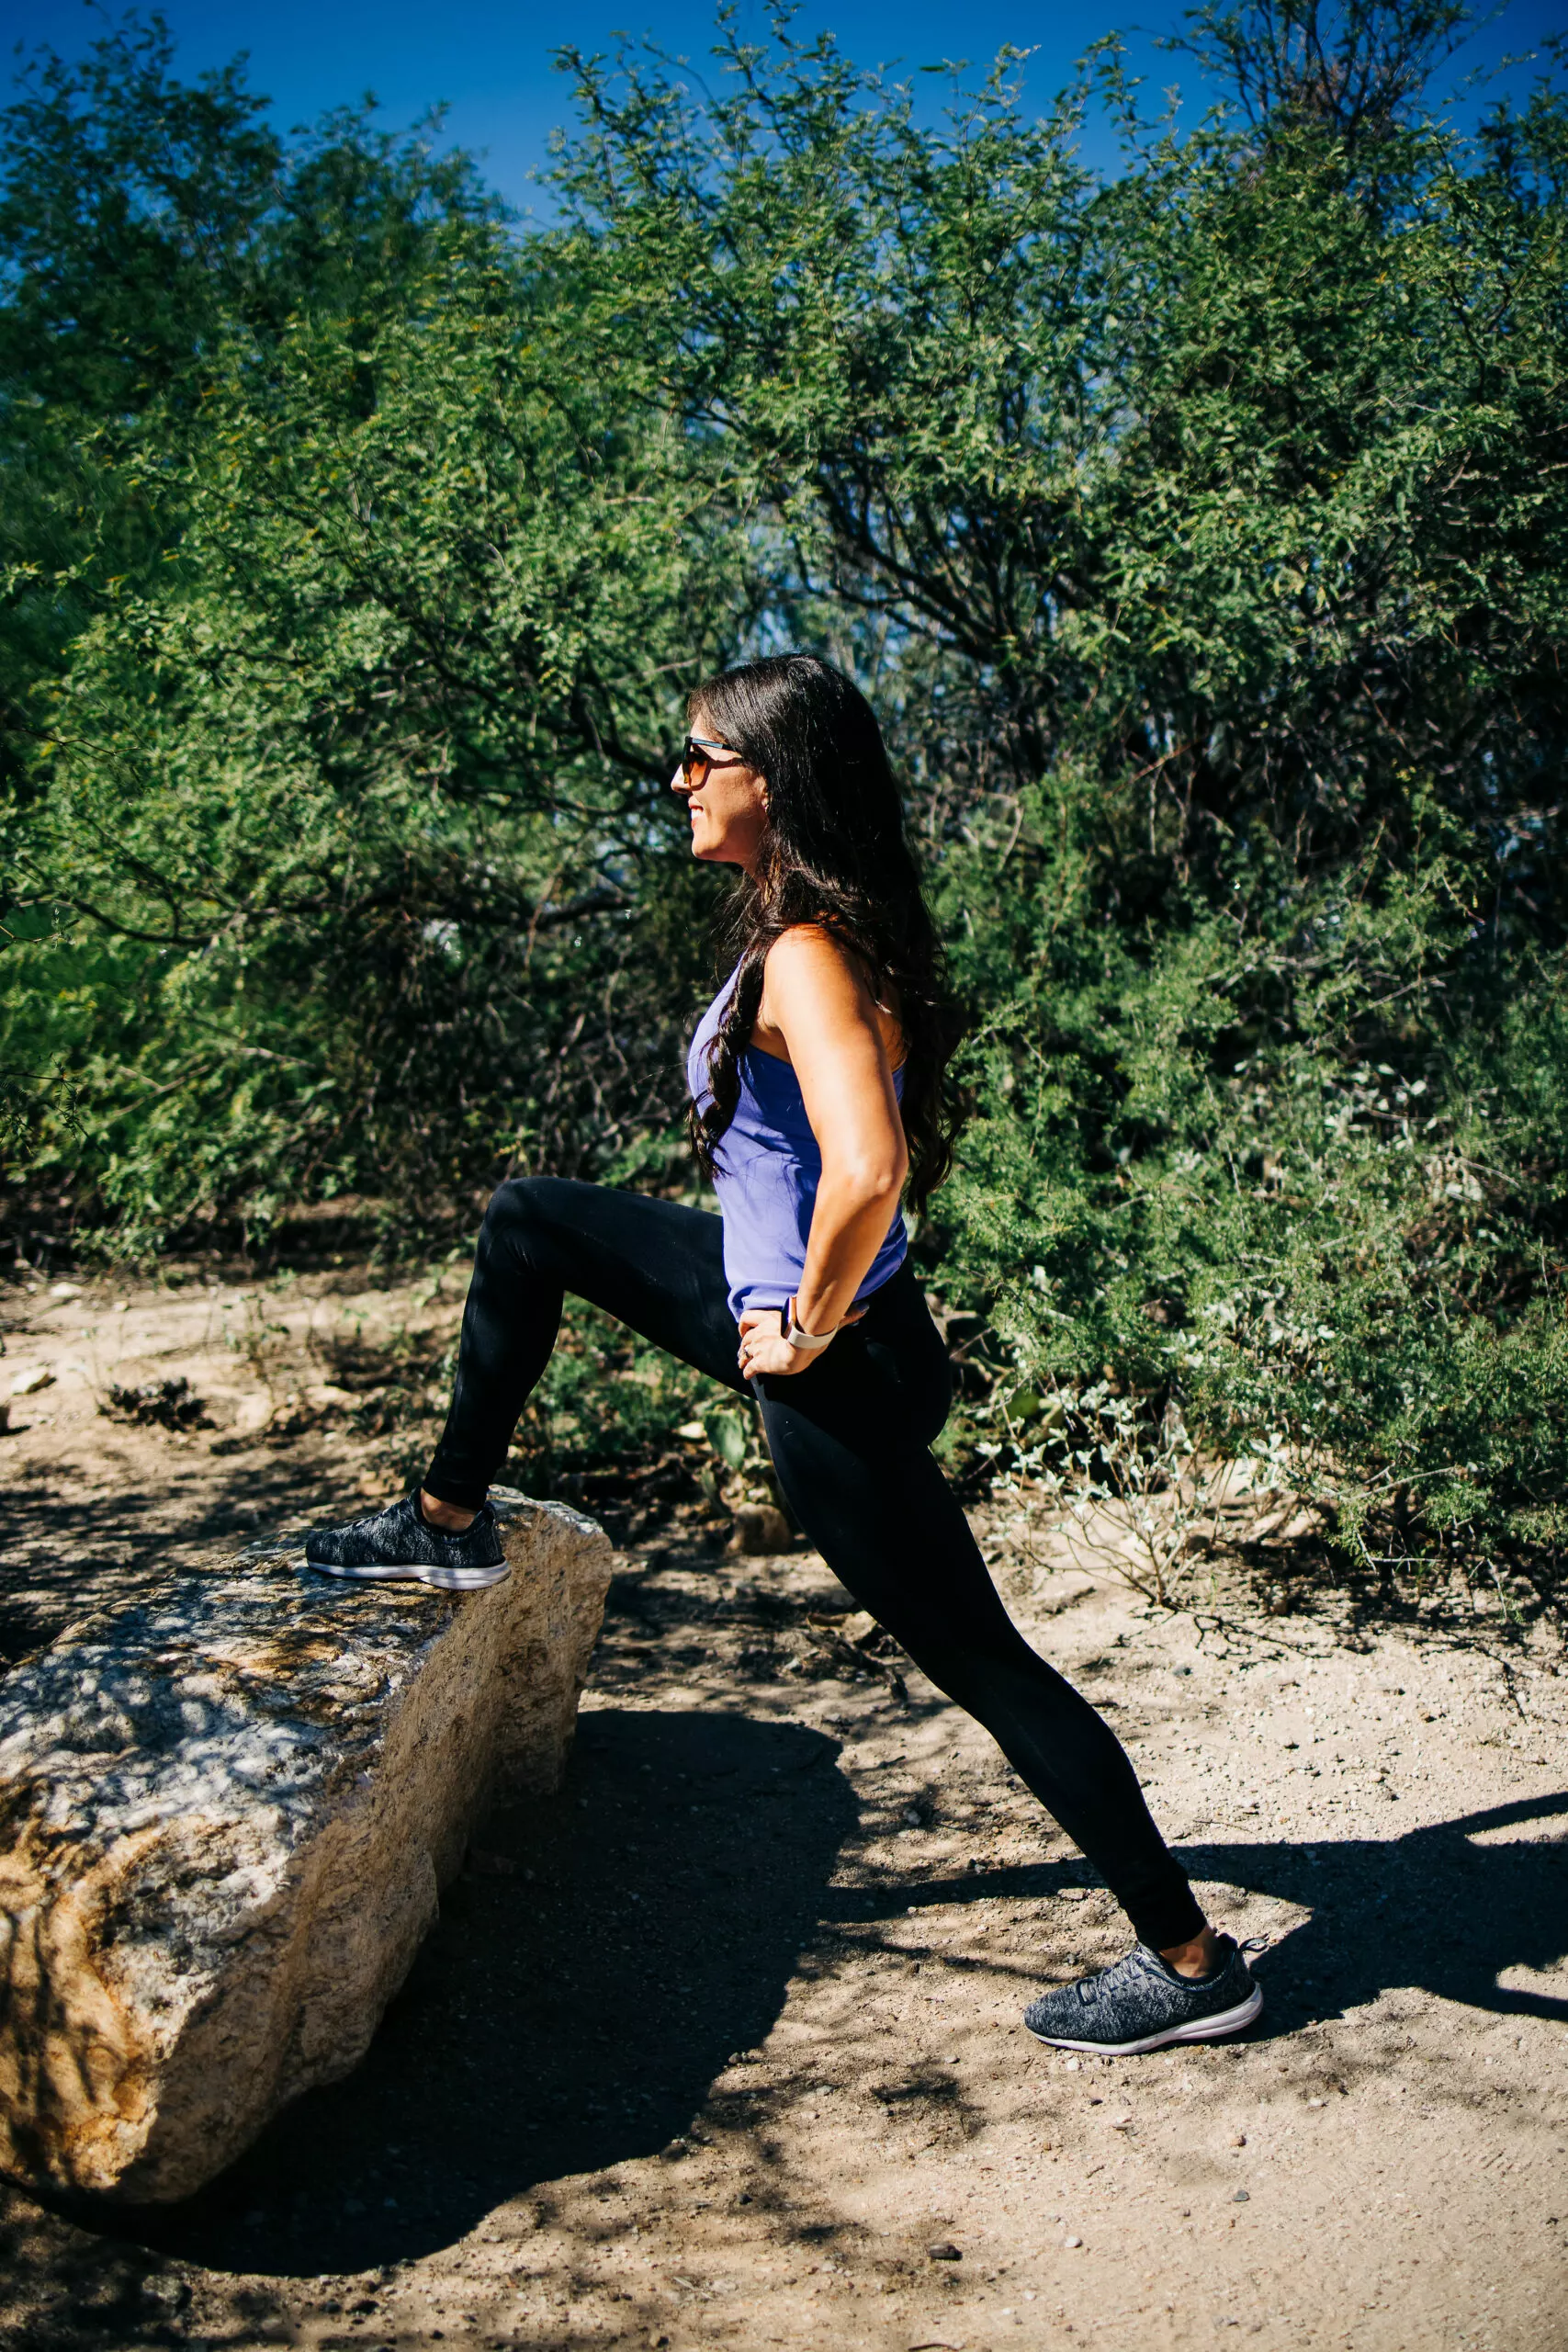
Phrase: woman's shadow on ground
(607, 1954)
(1431, 1909)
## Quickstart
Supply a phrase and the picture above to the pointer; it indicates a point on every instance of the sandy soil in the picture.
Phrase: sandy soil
(723, 2045)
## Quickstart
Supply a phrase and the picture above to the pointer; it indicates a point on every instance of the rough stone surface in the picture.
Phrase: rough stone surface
(225, 1811)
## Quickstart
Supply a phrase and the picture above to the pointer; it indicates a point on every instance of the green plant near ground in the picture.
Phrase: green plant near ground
(617, 1423)
(1131, 1492)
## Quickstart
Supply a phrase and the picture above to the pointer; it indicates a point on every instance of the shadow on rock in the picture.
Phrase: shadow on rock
(67, 1552)
(606, 1955)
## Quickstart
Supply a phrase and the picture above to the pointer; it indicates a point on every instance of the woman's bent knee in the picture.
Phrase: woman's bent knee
(520, 1214)
(516, 1201)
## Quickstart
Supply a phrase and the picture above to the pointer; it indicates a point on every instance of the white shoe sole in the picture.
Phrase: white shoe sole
(386, 1572)
(1209, 2028)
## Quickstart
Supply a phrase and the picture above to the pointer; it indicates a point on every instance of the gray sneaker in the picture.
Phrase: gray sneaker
(399, 1544)
(1139, 2003)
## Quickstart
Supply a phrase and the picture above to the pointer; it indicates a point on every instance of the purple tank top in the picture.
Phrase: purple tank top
(767, 1169)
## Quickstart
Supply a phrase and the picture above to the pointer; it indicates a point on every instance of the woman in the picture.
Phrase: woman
(817, 1095)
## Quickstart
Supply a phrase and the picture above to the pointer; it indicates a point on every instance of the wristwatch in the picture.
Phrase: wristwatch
(805, 1343)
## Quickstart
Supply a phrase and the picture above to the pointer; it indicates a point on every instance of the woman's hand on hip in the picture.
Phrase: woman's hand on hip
(763, 1347)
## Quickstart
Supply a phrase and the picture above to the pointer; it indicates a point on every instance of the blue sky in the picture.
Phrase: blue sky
(490, 59)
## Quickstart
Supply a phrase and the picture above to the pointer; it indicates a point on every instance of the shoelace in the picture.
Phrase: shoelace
(1109, 1980)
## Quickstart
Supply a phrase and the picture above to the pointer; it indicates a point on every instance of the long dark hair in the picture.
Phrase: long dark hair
(834, 852)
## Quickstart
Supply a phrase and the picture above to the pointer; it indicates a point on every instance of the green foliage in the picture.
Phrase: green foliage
(1201, 533)
(605, 1401)
(1353, 1266)
(351, 798)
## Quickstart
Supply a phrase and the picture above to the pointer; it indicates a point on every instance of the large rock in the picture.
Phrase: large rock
(225, 1811)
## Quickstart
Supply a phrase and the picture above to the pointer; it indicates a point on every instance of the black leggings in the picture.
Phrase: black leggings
(849, 1436)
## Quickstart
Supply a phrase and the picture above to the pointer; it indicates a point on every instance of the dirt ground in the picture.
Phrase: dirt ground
(723, 2045)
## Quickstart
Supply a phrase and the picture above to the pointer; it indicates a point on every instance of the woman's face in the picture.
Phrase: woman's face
(728, 808)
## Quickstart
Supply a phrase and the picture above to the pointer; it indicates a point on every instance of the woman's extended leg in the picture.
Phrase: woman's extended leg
(652, 1265)
(875, 1502)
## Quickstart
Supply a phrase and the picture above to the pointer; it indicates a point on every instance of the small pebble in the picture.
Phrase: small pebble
(1072, 2242)
(28, 1384)
(1120, 2123)
(1238, 2138)
(1241, 2198)
(945, 2251)
(1316, 2102)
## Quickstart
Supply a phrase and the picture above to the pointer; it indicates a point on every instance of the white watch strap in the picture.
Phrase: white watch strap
(805, 1343)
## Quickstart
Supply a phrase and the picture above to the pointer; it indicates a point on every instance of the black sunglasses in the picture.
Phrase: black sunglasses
(697, 761)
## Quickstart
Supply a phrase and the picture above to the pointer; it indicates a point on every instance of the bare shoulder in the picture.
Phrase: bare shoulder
(812, 976)
(807, 955)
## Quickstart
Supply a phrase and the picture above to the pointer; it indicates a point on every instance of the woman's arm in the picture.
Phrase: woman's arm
(816, 1001)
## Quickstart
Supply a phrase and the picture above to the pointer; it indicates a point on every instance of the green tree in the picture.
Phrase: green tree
(139, 218)
(356, 810)
(343, 810)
